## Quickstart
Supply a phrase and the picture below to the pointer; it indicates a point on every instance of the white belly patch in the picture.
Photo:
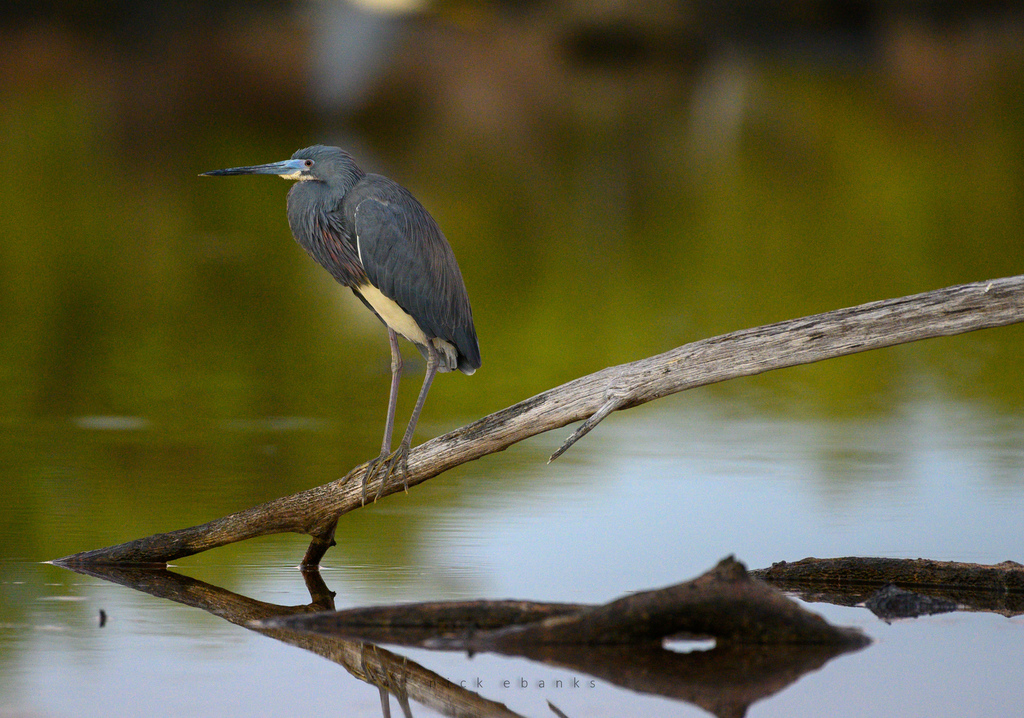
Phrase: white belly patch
(392, 314)
(403, 323)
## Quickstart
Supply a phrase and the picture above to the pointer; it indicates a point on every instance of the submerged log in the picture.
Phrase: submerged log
(724, 604)
(997, 588)
(315, 512)
(1005, 577)
(725, 680)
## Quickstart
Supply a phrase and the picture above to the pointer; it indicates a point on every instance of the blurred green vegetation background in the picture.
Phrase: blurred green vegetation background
(615, 182)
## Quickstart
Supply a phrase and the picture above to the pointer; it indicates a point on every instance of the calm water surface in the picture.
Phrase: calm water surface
(655, 496)
(168, 355)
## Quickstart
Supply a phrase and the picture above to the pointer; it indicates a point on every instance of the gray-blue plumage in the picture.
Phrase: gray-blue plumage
(374, 237)
(366, 227)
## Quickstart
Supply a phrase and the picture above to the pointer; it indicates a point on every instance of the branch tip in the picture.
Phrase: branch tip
(607, 408)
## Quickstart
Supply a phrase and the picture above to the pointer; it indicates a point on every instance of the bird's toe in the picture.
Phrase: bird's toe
(390, 466)
(377, 466)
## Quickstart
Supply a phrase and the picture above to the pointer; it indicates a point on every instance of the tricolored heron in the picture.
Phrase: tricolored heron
(374, 237)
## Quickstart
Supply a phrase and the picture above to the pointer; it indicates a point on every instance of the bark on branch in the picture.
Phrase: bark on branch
(943, 312)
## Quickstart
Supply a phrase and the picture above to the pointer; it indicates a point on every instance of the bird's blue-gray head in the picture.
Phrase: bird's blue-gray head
(331, 165)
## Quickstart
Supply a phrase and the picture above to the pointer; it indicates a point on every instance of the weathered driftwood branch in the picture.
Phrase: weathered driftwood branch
(943, 312)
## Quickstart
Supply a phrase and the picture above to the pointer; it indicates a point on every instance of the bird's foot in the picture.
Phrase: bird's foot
(372, 469)
(385, 466)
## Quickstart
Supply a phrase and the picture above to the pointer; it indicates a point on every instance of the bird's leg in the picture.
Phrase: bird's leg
(389, 425)
(400, 458)
(396, 378)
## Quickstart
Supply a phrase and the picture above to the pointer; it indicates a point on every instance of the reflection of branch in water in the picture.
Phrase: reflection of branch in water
(723, 681)
(764, 641)
(390, 673)
(386, 684)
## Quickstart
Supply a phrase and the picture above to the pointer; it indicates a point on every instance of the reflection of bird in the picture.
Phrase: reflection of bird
(373, 236)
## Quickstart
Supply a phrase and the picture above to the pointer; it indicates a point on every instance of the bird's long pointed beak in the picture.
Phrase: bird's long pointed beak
(285, 168)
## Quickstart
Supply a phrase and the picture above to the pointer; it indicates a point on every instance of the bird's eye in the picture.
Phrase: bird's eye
(308, 163)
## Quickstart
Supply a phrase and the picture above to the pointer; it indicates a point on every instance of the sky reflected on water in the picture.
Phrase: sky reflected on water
(652, 497)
